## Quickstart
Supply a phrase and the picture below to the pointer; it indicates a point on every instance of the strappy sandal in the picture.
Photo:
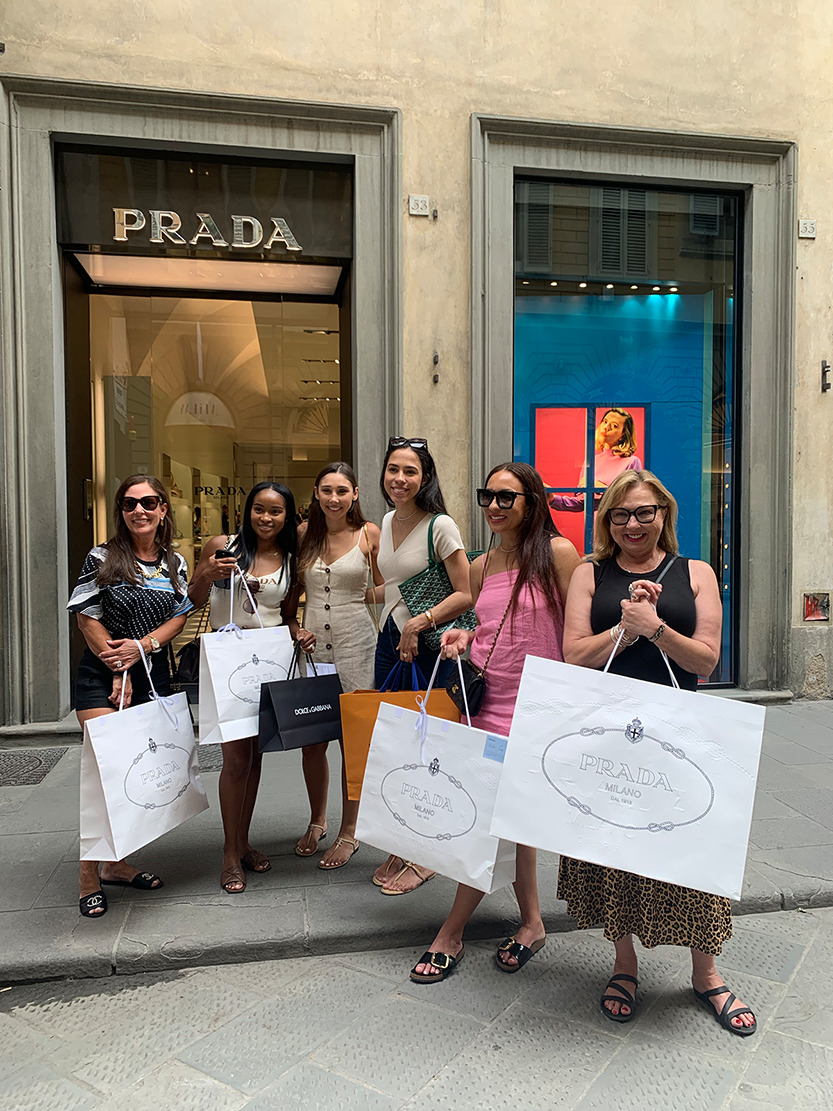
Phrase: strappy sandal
(415, 869)
(314, 849)
(254, 861)
(232, 875)
(624, 997)
(725, 1016)
(521, 953)
(387, 872)
(89, 903)
(354, 848)
(442, 961)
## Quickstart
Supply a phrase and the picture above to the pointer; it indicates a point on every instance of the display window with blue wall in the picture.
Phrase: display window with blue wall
(624, 356)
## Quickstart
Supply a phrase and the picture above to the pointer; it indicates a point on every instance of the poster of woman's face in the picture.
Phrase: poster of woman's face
(578, 452)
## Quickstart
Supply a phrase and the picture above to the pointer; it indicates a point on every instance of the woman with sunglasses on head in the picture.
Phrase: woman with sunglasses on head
(410, 486)
(337, 549)
(264, 552)
(636, 590)
(518, 588)
(131, 589)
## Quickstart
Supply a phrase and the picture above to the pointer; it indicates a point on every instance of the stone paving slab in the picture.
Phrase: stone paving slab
(350, 1031)
(298, 909)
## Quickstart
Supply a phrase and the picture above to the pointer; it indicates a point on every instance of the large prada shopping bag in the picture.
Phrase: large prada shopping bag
(234, 662)
(631, 775)
(429, 790)
(140, 777)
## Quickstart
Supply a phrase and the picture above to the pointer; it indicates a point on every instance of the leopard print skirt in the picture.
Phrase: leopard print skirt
(657, 913)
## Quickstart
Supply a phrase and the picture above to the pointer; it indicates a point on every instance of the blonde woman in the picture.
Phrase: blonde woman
(615, 453)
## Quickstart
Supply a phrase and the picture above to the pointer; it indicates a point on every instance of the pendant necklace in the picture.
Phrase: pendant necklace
(156, 573)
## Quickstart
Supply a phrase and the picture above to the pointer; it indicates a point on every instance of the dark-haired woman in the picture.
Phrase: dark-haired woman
(337, 547)
(133, 588)
(264, 551)
(519, 589)
(410, 485)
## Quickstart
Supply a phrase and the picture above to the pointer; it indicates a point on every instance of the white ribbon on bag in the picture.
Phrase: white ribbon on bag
(421, 725)
(164, 702)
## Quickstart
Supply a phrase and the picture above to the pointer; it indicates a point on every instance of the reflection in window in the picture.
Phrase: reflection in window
(624, 301)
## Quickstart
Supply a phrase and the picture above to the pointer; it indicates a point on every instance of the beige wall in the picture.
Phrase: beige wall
(756, 70)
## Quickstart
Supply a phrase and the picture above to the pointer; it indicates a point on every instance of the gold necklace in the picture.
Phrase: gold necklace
(156, 573)
(650, 570)
(402, 520)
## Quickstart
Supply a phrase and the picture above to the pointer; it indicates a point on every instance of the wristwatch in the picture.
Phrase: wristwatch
(154, 643)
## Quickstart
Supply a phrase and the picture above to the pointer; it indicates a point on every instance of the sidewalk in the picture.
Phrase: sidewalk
(298, 910)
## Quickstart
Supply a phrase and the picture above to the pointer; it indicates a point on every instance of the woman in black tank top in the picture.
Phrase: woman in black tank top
(638, 592)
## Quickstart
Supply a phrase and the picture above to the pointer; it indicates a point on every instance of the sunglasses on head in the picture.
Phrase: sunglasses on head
(643, 513)
(505, 498)
(149, 502)
(406, 441)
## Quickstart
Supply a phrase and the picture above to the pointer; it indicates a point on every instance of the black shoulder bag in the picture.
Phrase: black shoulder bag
(473, 677)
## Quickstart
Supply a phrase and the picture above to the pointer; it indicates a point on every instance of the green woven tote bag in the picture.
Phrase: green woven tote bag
(428, 588)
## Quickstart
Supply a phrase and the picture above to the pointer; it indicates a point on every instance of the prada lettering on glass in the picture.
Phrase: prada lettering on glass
(165, 226)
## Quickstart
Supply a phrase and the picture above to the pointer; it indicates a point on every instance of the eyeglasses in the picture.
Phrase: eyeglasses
(643, 513)
(149, 502)
(405, 441)
(505, 498)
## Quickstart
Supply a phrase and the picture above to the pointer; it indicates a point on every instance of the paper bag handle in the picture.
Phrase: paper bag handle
(674, 681)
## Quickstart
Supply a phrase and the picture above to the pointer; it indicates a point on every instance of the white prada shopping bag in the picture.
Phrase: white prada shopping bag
(234, 662)
(428, 793)
(631, 775)
(140, 777)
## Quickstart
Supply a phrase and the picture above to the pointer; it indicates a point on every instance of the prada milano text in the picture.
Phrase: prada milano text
(165, 225)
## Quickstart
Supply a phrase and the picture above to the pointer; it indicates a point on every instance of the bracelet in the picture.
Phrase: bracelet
(430, 617)
(617, 631)
(657, 634)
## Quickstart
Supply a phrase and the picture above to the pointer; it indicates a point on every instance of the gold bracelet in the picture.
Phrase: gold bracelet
(430, 617)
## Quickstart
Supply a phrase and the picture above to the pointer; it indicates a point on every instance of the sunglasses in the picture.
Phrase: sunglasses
(505, 498)
(643, 513)
(149, 502)
(405, 441)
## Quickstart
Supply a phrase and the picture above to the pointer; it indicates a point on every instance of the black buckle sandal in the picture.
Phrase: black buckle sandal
(521, 953)
(442, 961)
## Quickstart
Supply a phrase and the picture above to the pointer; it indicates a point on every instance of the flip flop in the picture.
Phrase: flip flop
(415, 869)
(725, 1016)
(340, 841)
(88, 903)
(388, 876)
(314, 850)
(445, 963)
(625, 997)
(143, 880)
(521, 953)
(253, 861)
(232, 875)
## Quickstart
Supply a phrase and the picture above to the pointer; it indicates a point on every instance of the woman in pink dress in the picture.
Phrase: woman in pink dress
(518, 588)
(615, 453)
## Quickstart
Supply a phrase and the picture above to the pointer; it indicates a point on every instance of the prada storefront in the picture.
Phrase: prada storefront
(209, 306)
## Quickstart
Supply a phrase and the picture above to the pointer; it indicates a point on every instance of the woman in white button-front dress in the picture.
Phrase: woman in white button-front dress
(336, 549)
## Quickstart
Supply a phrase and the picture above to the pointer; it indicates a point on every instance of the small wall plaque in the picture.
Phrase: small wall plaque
(817, 606)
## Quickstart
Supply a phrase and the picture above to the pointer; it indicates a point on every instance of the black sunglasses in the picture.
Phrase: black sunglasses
(405, 441)
(149, 502)
(643, 513)
(505, 498)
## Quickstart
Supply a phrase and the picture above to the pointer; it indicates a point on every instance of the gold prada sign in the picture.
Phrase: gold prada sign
(165, 225)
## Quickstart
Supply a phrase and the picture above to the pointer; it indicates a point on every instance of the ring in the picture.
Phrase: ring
(118, 663)
(631, 589)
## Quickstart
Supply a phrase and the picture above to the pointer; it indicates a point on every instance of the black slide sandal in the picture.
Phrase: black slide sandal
(143, 880)
(521, 953)
(625, 997)
(89, 903)
(445, 963)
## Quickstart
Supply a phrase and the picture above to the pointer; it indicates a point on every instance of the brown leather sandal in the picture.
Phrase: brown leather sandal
(354, 848)
(232, 875)
(254, 861)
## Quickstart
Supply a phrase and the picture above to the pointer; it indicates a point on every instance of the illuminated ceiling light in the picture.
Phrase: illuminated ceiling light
(656, 289)
(609, 285)
(673, 289)
(524, 283)
(582, 285)
(337, 362)
(553, 283)
(634, 287)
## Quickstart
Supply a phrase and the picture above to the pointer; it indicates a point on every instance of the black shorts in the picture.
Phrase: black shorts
(94, 682)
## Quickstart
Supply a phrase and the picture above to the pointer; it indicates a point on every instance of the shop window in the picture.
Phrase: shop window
(636, 314)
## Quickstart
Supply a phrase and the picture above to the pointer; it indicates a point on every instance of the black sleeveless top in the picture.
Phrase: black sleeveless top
(676, 607)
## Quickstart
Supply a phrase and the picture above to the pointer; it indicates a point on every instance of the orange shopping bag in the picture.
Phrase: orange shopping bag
(358, 717)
